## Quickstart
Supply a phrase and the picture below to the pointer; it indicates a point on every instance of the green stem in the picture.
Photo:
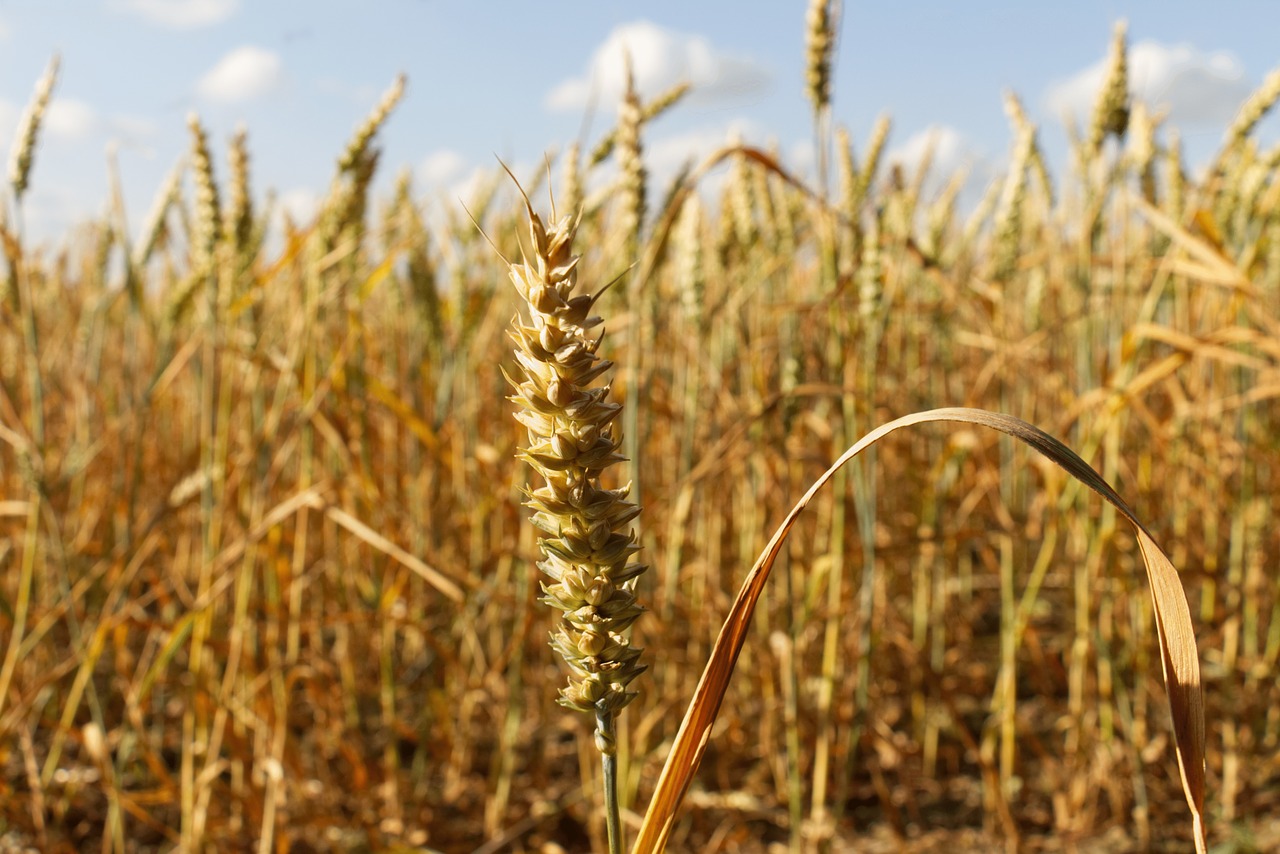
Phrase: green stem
(606, 740)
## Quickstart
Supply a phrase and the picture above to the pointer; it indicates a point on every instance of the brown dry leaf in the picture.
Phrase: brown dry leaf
(1179, 656)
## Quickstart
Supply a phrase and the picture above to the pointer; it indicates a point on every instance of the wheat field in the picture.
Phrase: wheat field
(267, 580)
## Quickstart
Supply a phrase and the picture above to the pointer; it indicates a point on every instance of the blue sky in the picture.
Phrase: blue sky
(517, 79)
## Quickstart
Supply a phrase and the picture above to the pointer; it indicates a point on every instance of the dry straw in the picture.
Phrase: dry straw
(301, 613)
(1178, 653)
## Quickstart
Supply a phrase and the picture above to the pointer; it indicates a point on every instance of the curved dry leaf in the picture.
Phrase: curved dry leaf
(1179, 657)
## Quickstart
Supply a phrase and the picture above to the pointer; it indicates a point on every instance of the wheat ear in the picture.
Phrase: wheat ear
(1111, 111)
(586, 543)
(24, 147)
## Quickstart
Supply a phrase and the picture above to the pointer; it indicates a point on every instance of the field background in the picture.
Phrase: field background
(266, 581)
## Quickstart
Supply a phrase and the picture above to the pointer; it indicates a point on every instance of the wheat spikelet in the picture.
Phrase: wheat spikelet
(690, 271)
(648, 112)
(665, 101)
(978, 217)
(571, 179)
(400, 217)
(846, 172)
(941, 214)
(407, 230)
(737, 210)
(849, 195)
(208, 224)
(1269, 202)
(239, 221)
(631, 166)
(179, 298)
(1018, 118)
(24, 141)
(763, 200)
(925, 165)
(821, 24)
(1255, 174)
(344, 209)
(870, 272)
(586, 543)
(154, 229)
(1176, 180)
(358, 147)
(1008, 226)
(1111, 111)
(1142, 149)
(875, 150)
(784, 204)
(1254, 108)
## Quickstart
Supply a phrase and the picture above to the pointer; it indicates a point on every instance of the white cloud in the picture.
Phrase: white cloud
(665, 155)
(179, 14)
(70, 119)
(300, 204)
(4, 30)
(1196, 88)
(51, 210)
(660, 59)
(951, 151)
(361, 95)
(442, 168)
(243, 74)
(466, 188)
(134, 127)
(954, 154)
(133, 133)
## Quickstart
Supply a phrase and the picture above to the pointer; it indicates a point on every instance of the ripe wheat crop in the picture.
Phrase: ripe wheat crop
(275, 555)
